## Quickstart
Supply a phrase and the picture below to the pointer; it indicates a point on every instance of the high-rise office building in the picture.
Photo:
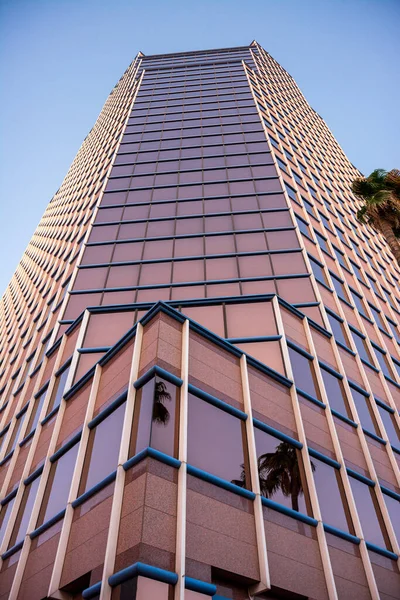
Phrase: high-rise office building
(200, 373)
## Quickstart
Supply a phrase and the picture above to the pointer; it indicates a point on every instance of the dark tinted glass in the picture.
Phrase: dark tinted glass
(155, 422)
(58, 485)
(215, 441)
(58, 390)
(335, 392)
(280, 471)
(331, 496)
(393, 507)
(361, 347)
(103, 449)
(390, 426)
(338, 330)
(24, 512)
(303, 373)
(368, 512)
(5, 517)
(364, 410)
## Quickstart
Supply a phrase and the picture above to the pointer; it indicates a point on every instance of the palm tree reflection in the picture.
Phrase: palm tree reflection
(160, 411)
(279, 471)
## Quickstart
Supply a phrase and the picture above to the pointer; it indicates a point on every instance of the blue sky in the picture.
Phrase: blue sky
(59, 59)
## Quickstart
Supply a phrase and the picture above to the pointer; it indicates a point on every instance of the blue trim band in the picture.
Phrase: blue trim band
(195, 585)
(390, 493)
(27, 438)
(381, 551)
(222, 483)
(370, 365)
(300, 350)
(152, 453)
(246, 340)
(50, 415)
(12, 550)
(93, 490)
(326, 459)
(374, 436)
(42, 390)
(92, 591)
(319, 327)
(94, 350)
(343, 418)
(276, 433)
(308, 396)
(384, 406)
(79, 384)
(359, 389)
(392, 381)
(47, 525)
(160, 372)
(34, 475)
(61, 451)
(9, 497)
(344, 347)
(118, 346)
(360, 477)
(288, 511)
(217, 402)
(144, 570)
(395, 449)
(342, 534)
(253, 362)
(330, 370)
(108, 410)
(334, 315)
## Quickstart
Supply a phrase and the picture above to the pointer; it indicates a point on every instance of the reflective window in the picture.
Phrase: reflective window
(35, 414)
(58, 390)
(280, 471)
(389, 422)
(5, 517)
(338, 330)
(369, 513)
(303, 373)
(318, 271)
(24, 513)
(383, 362)
(155, 419)
(361, 346)
(365, 412)
(216, 442)
(331, 497)
(335, 392)
(12, 442)
(103, 449)
(393, 507)
(58, 484)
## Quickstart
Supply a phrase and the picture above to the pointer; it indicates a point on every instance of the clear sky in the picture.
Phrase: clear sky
(59, 59)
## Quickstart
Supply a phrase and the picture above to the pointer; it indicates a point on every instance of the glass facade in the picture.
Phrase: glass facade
(197, 294)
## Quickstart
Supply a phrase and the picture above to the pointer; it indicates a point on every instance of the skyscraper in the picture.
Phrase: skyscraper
(200, 373)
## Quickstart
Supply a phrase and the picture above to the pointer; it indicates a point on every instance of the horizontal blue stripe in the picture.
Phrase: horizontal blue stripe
(92, 591)
(47, 525)
(299, 349)
(276, 433)
(93, 490)
(370, 365)
(246, 340)
(217, 402)
(342, 534)
(359, 389)
(160, 372)
(360, 477)
(289, 511)
(227, 485)
(390, 493)
(51, 414)
(108, 410)
(381, 551)
(344, 347)
(152, 453)
(33, 475)
(9, 497)
(339, 415)
(94, 350)
(329, 369)
(12, 550)
(392, 381)
(195, 585)
(326, 459)
(27, 438)
(144, 570)
(395, 449)
(384, 406)
(66, 447)
(308, 396)
(374, 436)
(253, 362)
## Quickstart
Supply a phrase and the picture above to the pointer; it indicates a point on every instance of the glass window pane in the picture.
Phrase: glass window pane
(364, 410)
(331, 496)
(215, 441)
(280, 471)
(24, 512)
(393, 507)
(58, 390)
(335, 392)
(5, 517)
(390, 426)
(303, 373)
(368, 512)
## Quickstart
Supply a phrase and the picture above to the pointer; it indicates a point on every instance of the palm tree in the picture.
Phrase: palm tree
(160, 411)
(279, 470)
(380, 192)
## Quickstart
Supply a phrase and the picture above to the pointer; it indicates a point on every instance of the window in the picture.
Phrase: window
(291, 192)
(281, 164)
(393, 507)
(5, 517)
(322, 242)
(103, 449)
(338, 329)
(303, 226)
(37, 409)
(390, 425)
(358, 302)
(216, 442)
(155, 418)
(281, 473)
(303, 373)
(369, 513)
(361, 346)
(364, 410)
(59, 482)
(383, 362)
(331, 497)
(12, 442)
(24, 512)
(58, 390)
(318, 271)
(335, 392)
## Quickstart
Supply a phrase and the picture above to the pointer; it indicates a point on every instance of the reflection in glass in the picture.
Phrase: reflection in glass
(369, 513)
(155, 420)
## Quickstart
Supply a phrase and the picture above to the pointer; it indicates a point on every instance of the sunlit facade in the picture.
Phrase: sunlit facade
(199, 366)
